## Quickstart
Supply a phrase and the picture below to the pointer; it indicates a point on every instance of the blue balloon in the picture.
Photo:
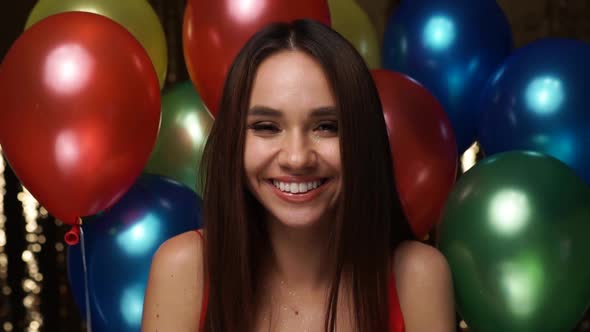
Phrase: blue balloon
(451, 47)
(120, 243)
(539, 99)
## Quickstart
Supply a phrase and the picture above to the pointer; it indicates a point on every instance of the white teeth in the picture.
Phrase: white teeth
(296, 187)
(302, 187)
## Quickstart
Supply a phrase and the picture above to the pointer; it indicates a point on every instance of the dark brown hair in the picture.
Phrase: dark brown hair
(370, 222)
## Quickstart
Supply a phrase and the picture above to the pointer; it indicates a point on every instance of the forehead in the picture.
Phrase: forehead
(290, 81)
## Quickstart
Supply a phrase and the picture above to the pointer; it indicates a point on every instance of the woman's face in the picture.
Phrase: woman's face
(292, 152)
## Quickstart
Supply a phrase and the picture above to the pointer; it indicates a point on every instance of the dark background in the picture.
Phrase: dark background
(34, 293)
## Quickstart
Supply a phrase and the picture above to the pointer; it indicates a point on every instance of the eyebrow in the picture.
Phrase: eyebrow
(271, 112)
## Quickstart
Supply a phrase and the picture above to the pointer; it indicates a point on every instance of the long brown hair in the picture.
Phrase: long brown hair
(370, 222)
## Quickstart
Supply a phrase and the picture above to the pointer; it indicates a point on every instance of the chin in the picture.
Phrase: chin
(300, 220)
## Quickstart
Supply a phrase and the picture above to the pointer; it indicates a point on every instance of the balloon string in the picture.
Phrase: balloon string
(86, 290)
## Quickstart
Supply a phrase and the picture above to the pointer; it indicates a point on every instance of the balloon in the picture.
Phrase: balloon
(137, 16)
(354, 24)
(183, 132)
(422, 145)
(215, 31)
(451, 48)
(539, 100)
(120, 244)
(80, 112)
(514, 232)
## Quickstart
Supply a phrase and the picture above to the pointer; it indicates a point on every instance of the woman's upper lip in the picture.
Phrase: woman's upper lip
(298, 178)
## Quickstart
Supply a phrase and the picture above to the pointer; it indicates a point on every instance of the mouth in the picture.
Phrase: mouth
(300, 190)
(298, 187)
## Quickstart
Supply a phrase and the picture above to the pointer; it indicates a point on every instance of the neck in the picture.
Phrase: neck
(300, 256)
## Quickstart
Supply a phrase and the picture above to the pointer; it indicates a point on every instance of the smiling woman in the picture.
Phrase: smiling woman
(292, 140)
(303, 226)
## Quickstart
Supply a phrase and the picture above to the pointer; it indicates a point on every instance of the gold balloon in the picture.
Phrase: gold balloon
(137, 16)
(354, 24)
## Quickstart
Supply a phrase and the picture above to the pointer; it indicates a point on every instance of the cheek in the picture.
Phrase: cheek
(330, 152)
(256, 156)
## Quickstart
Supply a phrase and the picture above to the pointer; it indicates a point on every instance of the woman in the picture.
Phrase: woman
(303, 227)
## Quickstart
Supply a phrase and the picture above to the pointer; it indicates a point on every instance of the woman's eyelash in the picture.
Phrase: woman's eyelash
(267, 127)
(264, 127)
(331, 126)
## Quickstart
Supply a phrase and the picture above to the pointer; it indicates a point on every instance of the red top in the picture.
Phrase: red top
(396, 323)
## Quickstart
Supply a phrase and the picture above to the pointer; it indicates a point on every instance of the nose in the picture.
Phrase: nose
(297, 153)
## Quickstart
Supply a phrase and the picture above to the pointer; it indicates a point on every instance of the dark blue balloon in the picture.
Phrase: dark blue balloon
(539, 99)
(451, 47)
(120, 243)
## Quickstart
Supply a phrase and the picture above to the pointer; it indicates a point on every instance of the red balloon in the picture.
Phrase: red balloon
(79, 114)
(423, 148)
(214, 31)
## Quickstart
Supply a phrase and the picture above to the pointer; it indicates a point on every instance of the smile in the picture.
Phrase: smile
(299, 191)
(298, 187)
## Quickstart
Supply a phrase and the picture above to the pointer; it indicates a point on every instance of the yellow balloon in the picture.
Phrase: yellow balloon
(137, 16)
(354, 24)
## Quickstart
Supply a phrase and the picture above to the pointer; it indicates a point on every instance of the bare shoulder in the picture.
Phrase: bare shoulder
(416, 257)
(175, 286)
(425, 287)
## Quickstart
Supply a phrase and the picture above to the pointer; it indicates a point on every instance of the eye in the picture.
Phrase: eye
(264, 128)
(327, 128)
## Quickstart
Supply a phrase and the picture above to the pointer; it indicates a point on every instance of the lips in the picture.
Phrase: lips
(291, 192)
(299, 186)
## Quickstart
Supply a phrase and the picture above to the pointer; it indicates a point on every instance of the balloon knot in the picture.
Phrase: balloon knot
(72, 237)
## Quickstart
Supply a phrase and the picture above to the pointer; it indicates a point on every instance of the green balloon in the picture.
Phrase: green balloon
(184, 129)
(354, 24)
(137, 16)
(515, 233)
